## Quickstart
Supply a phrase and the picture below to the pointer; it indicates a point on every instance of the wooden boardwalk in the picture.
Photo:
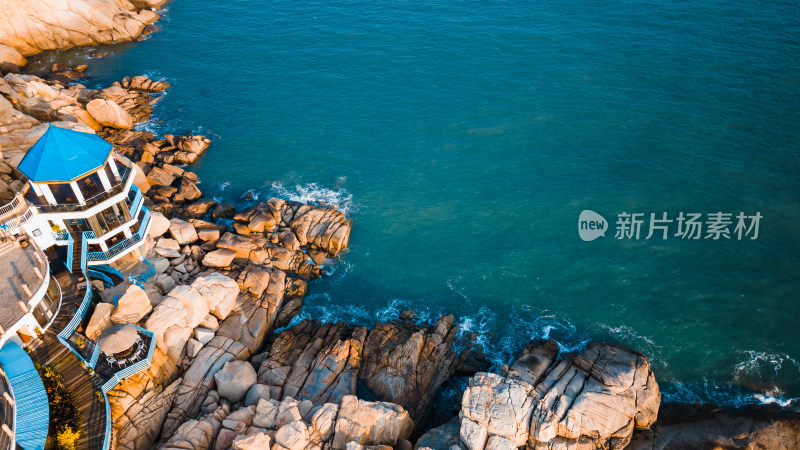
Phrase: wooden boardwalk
(50, 352)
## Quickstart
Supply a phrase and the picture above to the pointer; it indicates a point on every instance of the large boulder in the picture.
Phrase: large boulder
(293, 436)
(240, 244)
(323, 421)
(314, 361)
(32, 26)
(168, 248)
(158, 224)
(219, 291)
(443, 437)
(370, 423)
(194, 303)
(406, 364)
(221, 257)
(256, 441)
(493, 405)
(10, 59)
(599, 396)
(182, 231)
(110, 114)
(199, 379)
(235, 379)
(100, 320)
(168, 313)
(593, 399)
(132, 306)
(324, 228)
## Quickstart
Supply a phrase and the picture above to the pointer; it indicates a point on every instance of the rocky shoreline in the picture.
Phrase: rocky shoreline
(226, 279)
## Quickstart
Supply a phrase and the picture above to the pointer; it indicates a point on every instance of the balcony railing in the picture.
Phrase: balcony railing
(16, 222)
(125, 244)
(7, 208)
(61, 236)
(133, 369)
(117, 186)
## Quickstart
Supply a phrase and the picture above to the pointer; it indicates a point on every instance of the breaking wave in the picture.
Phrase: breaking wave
(315, 194)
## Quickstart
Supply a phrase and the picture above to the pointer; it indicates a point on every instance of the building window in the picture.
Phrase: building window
(91, 186)
(37, 232)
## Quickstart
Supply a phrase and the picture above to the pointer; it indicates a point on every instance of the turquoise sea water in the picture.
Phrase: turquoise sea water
(464, 139)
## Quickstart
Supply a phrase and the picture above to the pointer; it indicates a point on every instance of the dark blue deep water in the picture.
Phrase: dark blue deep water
(464, 139)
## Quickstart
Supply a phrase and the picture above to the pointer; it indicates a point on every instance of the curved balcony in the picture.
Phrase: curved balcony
(136, 239)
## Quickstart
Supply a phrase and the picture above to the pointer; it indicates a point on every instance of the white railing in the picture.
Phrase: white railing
(16, 222)
(10, 206)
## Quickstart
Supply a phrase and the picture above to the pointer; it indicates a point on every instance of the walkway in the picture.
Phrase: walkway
(49, 351)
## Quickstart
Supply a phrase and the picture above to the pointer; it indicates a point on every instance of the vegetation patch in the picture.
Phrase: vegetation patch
(64, 429)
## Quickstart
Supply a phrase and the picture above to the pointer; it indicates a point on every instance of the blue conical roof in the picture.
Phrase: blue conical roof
(63, 155)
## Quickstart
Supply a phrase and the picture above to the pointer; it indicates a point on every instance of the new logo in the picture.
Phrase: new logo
(591, 225)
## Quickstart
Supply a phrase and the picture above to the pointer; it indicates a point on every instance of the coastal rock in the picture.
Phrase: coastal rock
(240, 244)
(196, 434)
(443, 437)
(168, 313)
(158, 224)
(208, 235)
(138, 409)
(100, 321)
(21, 131)
(324, 228)
(496, 406)
(370, 423)
(293, 436)
(267, 283)
(160, 177)
(407, 364)
(132, 306)
(256, 393)
(32, 26)
(681, 425)
(595, 399)
(255, 441)
(182, 231)
(10, 59)
(168, 248)
(199, 378)
(110, 114)
(160, 264)
(599, 396)
(193, 302)
(190, 147)
(313, 361)
(219, 291)
(220, 258)
(142, 83)
(235, 379)
(323, 421)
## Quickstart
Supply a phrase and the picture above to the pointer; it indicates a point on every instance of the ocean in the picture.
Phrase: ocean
(465, 139)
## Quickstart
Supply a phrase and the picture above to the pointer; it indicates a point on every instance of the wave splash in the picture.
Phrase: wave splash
(316, 194)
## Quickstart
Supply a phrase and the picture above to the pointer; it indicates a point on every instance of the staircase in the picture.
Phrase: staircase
(77, 237)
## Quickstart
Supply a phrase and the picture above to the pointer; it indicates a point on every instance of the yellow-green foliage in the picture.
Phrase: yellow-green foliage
(64, 429)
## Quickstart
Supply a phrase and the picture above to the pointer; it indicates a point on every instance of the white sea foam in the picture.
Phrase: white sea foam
(781, 401)
(758, 361)
(224, 185)
(315, 194)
